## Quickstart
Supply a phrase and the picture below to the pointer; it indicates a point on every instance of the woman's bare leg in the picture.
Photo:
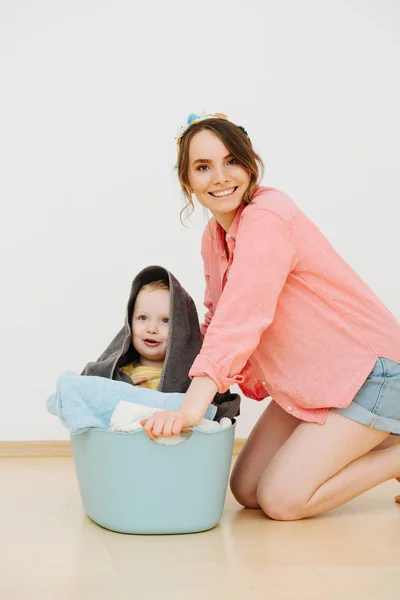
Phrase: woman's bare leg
(321, 467)
(390, 441)
(271, 431)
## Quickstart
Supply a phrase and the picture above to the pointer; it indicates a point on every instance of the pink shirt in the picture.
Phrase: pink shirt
(286, 315)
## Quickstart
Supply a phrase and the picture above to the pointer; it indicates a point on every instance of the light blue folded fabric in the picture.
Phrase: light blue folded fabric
(82, 402)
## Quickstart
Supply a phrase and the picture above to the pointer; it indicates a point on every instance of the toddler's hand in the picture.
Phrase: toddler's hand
(166, 423)
(139, 380)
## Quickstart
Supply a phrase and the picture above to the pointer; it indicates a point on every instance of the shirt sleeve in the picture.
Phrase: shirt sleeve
(265, 253)
(207, 294)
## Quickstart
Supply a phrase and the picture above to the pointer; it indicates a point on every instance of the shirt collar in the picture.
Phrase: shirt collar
(221, 234)
(235, 223)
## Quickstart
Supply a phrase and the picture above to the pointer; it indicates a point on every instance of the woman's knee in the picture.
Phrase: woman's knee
(279, 503)
(243, 491)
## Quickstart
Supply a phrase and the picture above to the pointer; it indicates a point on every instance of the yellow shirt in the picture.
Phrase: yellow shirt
(135, 371)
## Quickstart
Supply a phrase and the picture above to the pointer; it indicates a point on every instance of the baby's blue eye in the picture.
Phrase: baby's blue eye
(142, 318)
(165, 320)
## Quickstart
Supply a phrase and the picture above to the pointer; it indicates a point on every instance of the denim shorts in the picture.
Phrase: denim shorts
(377, 402)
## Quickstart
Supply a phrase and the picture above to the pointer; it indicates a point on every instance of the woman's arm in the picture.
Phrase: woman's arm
(265, 254)
(198, 398)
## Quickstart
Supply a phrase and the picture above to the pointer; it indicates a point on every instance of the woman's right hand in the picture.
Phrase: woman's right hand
(166, 423)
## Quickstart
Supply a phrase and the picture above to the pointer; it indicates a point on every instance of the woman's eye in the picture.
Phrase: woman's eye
(142, 318)
(202, 167)
(232, 161)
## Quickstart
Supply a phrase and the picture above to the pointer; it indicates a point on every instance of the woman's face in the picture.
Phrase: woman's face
(215, 177)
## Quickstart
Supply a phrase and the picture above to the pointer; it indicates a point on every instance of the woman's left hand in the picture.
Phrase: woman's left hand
(166, 423)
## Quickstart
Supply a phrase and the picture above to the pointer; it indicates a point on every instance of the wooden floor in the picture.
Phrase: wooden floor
(50, 550)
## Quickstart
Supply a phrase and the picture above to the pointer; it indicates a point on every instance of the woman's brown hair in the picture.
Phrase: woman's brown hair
(239, 145)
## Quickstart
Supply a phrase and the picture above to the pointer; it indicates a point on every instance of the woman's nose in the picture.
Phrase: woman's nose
(220, 175)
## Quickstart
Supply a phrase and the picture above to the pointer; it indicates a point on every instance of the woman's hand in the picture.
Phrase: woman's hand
(166, 423)
(194, 406)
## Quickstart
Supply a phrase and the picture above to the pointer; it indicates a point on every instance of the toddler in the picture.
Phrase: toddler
(159, 341)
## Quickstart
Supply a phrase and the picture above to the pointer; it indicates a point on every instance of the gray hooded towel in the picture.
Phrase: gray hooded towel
(184, 344)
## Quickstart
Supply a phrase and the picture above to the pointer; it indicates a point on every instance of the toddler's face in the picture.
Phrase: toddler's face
(150, 326)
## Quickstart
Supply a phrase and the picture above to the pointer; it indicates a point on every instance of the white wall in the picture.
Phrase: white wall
(92, 95)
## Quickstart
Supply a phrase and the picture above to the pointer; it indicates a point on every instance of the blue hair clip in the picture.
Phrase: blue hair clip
(194, 118)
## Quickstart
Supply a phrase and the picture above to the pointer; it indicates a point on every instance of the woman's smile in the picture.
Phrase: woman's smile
(223, 193)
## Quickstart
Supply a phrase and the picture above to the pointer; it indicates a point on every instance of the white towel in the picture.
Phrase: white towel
(127, 417)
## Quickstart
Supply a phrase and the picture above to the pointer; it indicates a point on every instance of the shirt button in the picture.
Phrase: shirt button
(290, 407)
(228, 235)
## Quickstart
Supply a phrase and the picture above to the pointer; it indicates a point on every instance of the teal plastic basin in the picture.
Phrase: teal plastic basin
(131, 484)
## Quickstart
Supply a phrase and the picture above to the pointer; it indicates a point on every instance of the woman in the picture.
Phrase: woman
(286, 317)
